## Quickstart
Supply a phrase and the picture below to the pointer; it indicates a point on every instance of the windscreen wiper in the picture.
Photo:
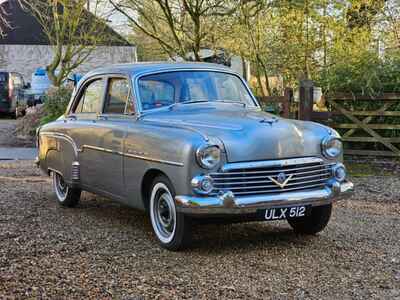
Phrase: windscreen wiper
(230, 101)
(186, 102)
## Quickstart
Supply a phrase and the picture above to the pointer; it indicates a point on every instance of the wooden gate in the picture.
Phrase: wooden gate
(367, 124)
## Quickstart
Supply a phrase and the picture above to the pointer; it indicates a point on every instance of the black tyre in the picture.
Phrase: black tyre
(171, 228)
(65, 195)
(313, 223)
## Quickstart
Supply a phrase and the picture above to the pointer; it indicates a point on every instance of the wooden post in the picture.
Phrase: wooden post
(306, 99)
(288, 96)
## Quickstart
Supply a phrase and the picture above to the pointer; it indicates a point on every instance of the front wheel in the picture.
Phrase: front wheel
(314, 223)
(65, 195)
(172, 229)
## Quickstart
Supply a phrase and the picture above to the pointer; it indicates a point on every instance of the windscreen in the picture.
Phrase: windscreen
(164, 89)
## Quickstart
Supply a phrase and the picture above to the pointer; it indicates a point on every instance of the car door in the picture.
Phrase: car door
(82, 128)
(111, 125)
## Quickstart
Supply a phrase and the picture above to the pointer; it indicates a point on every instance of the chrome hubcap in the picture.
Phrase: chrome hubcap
(162, 212)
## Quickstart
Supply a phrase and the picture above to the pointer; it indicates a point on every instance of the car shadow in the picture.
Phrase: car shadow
(245, 236)
(207, 238)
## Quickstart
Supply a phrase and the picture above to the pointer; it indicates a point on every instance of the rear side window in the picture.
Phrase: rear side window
(117, 96)
(3, 87)
(92, 98)
(3, 78)
(17, 80)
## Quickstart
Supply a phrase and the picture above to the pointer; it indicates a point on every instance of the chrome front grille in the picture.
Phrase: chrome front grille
(255, 178)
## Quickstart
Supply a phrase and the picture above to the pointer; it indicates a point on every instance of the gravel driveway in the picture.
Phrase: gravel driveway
(8, 136)
(104, 250)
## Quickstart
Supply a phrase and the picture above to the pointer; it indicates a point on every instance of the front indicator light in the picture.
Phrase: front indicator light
(202, 184)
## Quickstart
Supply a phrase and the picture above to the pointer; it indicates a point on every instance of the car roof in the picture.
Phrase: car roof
(136, 68)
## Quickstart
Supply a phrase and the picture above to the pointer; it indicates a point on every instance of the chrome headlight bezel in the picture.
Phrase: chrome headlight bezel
(208, 156)
(332, 147)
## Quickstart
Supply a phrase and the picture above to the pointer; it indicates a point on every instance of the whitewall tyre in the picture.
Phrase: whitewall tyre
(171, 228)
(65, 195)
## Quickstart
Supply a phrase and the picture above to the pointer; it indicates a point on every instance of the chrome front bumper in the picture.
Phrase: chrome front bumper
(227, 203)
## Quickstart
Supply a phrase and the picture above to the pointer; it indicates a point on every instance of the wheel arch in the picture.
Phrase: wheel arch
(146, 183)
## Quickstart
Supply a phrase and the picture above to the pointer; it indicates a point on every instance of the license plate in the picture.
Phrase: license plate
(280, 213)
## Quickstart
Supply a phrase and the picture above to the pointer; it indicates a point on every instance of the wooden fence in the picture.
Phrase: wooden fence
(283, 102)
(364, 131)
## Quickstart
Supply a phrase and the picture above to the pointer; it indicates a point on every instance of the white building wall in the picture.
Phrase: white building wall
(25, 59)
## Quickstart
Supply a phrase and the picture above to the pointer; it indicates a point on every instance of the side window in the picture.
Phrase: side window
(17, 80)
(154, 94)
(91, 98)
(117, 96)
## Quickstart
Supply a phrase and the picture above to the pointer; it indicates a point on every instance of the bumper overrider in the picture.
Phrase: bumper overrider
(228, 203)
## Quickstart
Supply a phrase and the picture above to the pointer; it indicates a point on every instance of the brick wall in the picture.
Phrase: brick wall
(25, 59)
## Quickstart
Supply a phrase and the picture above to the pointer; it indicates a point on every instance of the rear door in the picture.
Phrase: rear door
(83, 128)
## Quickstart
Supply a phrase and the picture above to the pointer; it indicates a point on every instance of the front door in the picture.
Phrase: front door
(111, 126)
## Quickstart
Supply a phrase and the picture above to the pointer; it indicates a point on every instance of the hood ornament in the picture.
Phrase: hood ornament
(270, 121)
(281, 180)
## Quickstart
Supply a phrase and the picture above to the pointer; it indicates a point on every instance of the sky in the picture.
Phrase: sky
(117, 20)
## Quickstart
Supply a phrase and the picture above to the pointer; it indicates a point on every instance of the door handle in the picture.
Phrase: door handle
(103, 118)
(71, 118)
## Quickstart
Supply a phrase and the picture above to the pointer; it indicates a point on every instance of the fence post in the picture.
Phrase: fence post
(306, 100)
(288, 95)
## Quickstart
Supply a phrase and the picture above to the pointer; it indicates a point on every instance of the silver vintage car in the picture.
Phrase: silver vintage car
(187, 141)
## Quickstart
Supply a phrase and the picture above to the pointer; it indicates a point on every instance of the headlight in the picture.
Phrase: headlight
(208, 157)
(332, 147)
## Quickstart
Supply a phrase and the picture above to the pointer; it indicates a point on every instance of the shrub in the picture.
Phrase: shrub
(367, 75)
(55, 103)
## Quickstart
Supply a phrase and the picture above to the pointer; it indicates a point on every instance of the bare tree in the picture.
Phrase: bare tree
(179, 26)
(72, 31)
(4, 24)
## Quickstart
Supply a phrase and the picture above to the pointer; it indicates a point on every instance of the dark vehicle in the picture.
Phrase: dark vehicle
(12, 88)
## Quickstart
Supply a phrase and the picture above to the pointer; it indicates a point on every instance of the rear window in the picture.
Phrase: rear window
(3, 87)
(3, 78)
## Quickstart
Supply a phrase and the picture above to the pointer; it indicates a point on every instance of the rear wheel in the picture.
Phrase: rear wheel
(313, 223)
(65, 195)
(172, 229)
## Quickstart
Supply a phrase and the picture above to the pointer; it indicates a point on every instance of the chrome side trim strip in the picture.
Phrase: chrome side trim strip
(98, 149)
(64, 137)
(167, 162)
(271, 163)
